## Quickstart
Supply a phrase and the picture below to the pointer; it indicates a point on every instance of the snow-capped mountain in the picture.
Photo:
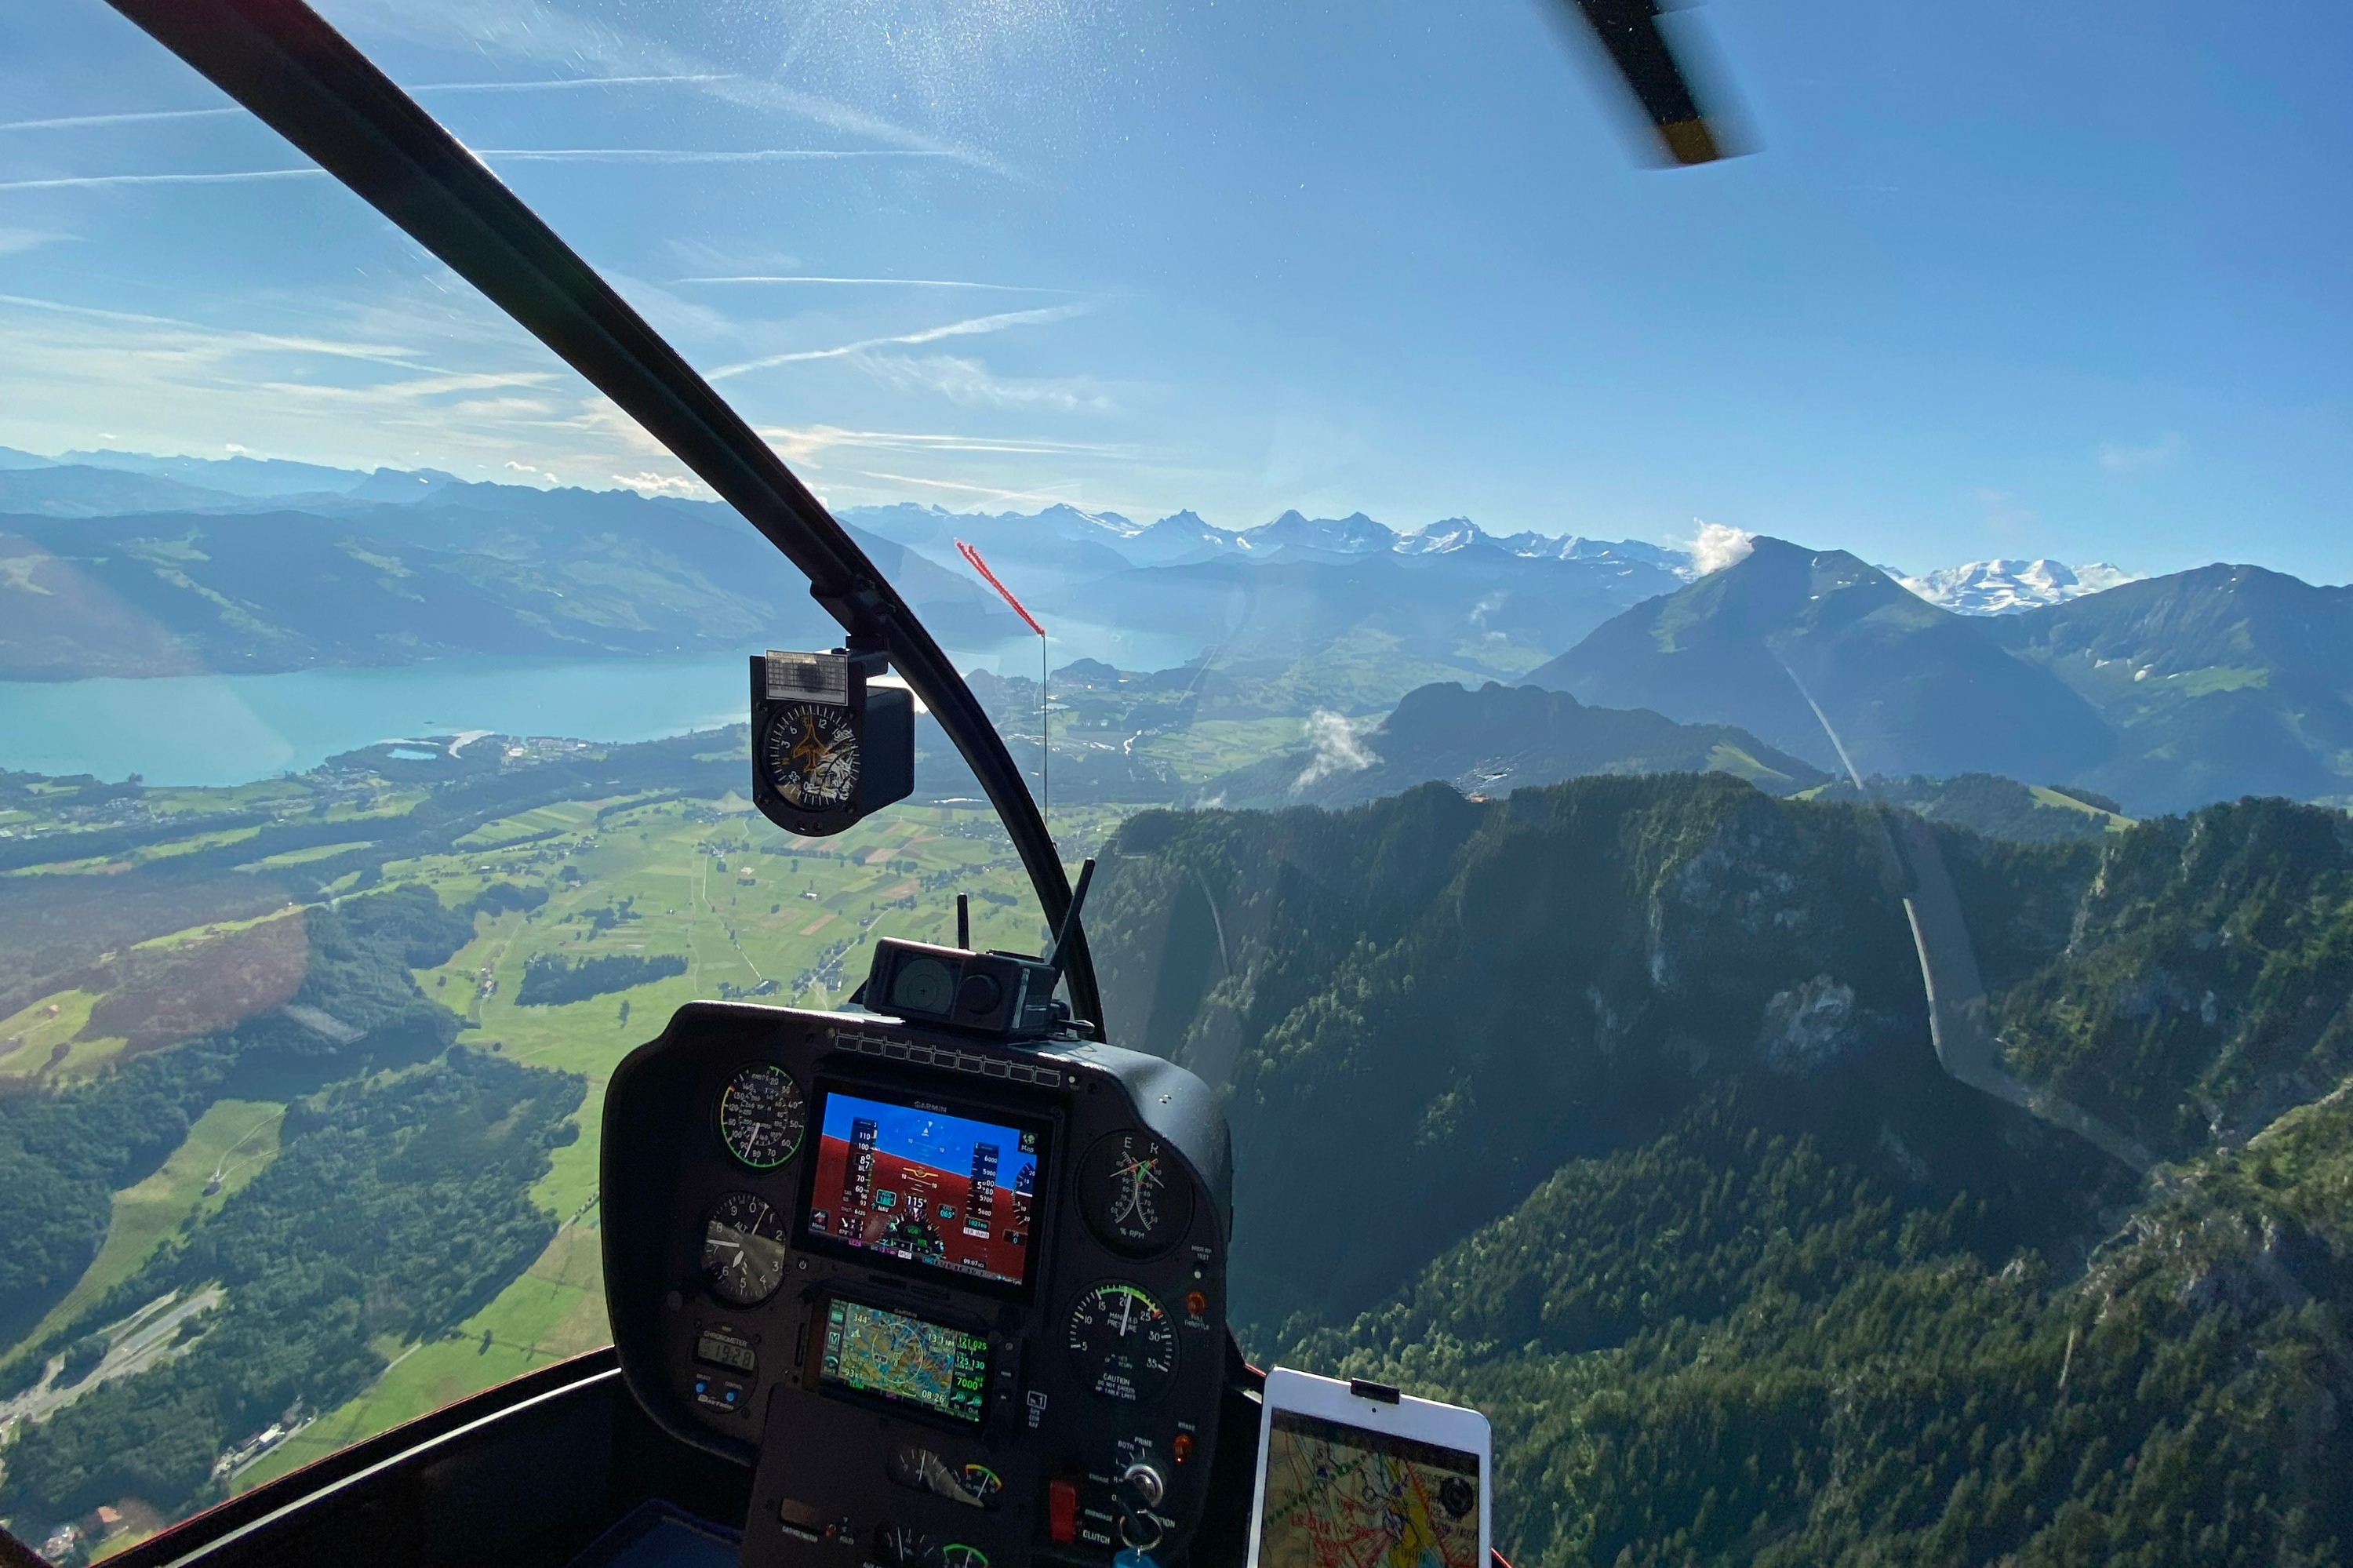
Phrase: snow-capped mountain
(2005, 587)
(1055, 536)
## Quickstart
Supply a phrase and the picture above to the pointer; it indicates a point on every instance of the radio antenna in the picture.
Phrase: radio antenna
(1070, 931)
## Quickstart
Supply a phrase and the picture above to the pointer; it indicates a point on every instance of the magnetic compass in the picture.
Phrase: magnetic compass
(827, 748)
(810, 753)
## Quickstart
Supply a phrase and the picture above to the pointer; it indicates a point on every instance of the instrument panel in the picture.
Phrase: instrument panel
(960, 1303)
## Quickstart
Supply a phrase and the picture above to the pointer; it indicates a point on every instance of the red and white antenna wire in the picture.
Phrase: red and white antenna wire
(1045, 740)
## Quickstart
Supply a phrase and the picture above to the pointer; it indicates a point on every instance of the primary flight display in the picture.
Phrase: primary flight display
(923, 1185)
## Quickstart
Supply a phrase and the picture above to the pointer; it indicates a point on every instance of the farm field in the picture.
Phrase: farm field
(668, 877)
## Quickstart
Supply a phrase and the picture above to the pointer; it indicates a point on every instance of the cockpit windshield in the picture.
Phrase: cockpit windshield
(1736, 776)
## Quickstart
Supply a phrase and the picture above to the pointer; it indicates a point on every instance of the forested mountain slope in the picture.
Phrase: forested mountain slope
(1612, 1108)
(2224, 680)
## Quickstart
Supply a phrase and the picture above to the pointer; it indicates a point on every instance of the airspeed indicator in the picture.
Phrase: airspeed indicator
(761, 1117)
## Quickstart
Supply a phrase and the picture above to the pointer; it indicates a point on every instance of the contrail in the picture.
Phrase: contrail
(563, 84)
(70, 122)
(239, 176)
(689, 156)
(967, 328)
(898, 282)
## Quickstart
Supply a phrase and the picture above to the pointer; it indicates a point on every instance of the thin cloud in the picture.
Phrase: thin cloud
(524, 29)
(2118, 457)
(227, 336)
(139, 117)
(2004, 512)
(993, 491)
(91, 181)
(803, 442)
(971, 383)
(564, 84)
(886, 282)
(151, 116)
(970, 327)
(15, 241)
(689, 156)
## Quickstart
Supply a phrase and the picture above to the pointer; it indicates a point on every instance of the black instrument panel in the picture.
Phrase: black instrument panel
(961, 1302)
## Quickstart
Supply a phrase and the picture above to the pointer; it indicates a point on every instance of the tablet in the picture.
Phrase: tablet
(1352, 1474)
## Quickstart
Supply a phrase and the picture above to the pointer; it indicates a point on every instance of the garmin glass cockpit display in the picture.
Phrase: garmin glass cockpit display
(959, 1298)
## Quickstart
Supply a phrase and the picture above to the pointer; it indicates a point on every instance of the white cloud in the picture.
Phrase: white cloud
(2118, 457)
(650, 483)
(411, 370)
(1335, 748)
(1717, 546)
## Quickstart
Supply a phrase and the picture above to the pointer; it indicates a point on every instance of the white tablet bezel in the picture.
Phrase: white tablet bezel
(1448, 1426)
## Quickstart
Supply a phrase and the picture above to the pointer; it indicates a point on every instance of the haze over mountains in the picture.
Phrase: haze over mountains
(2161, 693)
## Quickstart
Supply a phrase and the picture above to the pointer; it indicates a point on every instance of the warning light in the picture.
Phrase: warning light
(1195, 1303)
(1182, 1447)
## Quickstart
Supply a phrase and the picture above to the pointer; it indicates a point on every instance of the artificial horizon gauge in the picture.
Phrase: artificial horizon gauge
(744, 1250)
(762, 1115)
(1133, 1195)
(1124, 1342)
(809, 751)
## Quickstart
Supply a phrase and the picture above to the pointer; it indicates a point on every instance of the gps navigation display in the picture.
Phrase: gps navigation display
(924, 1186)
(1342, 1497)
(892, 1355)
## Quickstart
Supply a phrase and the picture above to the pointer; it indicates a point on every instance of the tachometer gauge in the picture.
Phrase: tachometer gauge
(761, 1117)
(809, 751)
(1133, 1196)
(1124, 1342)
(744, 1250)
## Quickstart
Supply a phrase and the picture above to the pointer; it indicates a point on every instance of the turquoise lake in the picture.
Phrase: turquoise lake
(232, 729)
(229, 730)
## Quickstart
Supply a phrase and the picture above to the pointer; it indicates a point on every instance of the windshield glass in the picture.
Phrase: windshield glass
(1737, 776)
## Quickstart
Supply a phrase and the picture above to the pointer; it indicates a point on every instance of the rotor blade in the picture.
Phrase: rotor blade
(281, 61)
(1628, 32)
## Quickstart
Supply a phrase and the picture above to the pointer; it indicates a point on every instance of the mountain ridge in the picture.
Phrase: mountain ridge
(1492, 740)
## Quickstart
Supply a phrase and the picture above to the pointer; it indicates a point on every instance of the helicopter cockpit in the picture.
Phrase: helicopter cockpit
(1364, 1043)
(957, 1297)
(939, 1281)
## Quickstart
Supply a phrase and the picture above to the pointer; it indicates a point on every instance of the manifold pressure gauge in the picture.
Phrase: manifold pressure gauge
(826, 749)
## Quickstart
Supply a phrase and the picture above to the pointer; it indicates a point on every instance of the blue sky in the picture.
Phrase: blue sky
(2003, 278)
